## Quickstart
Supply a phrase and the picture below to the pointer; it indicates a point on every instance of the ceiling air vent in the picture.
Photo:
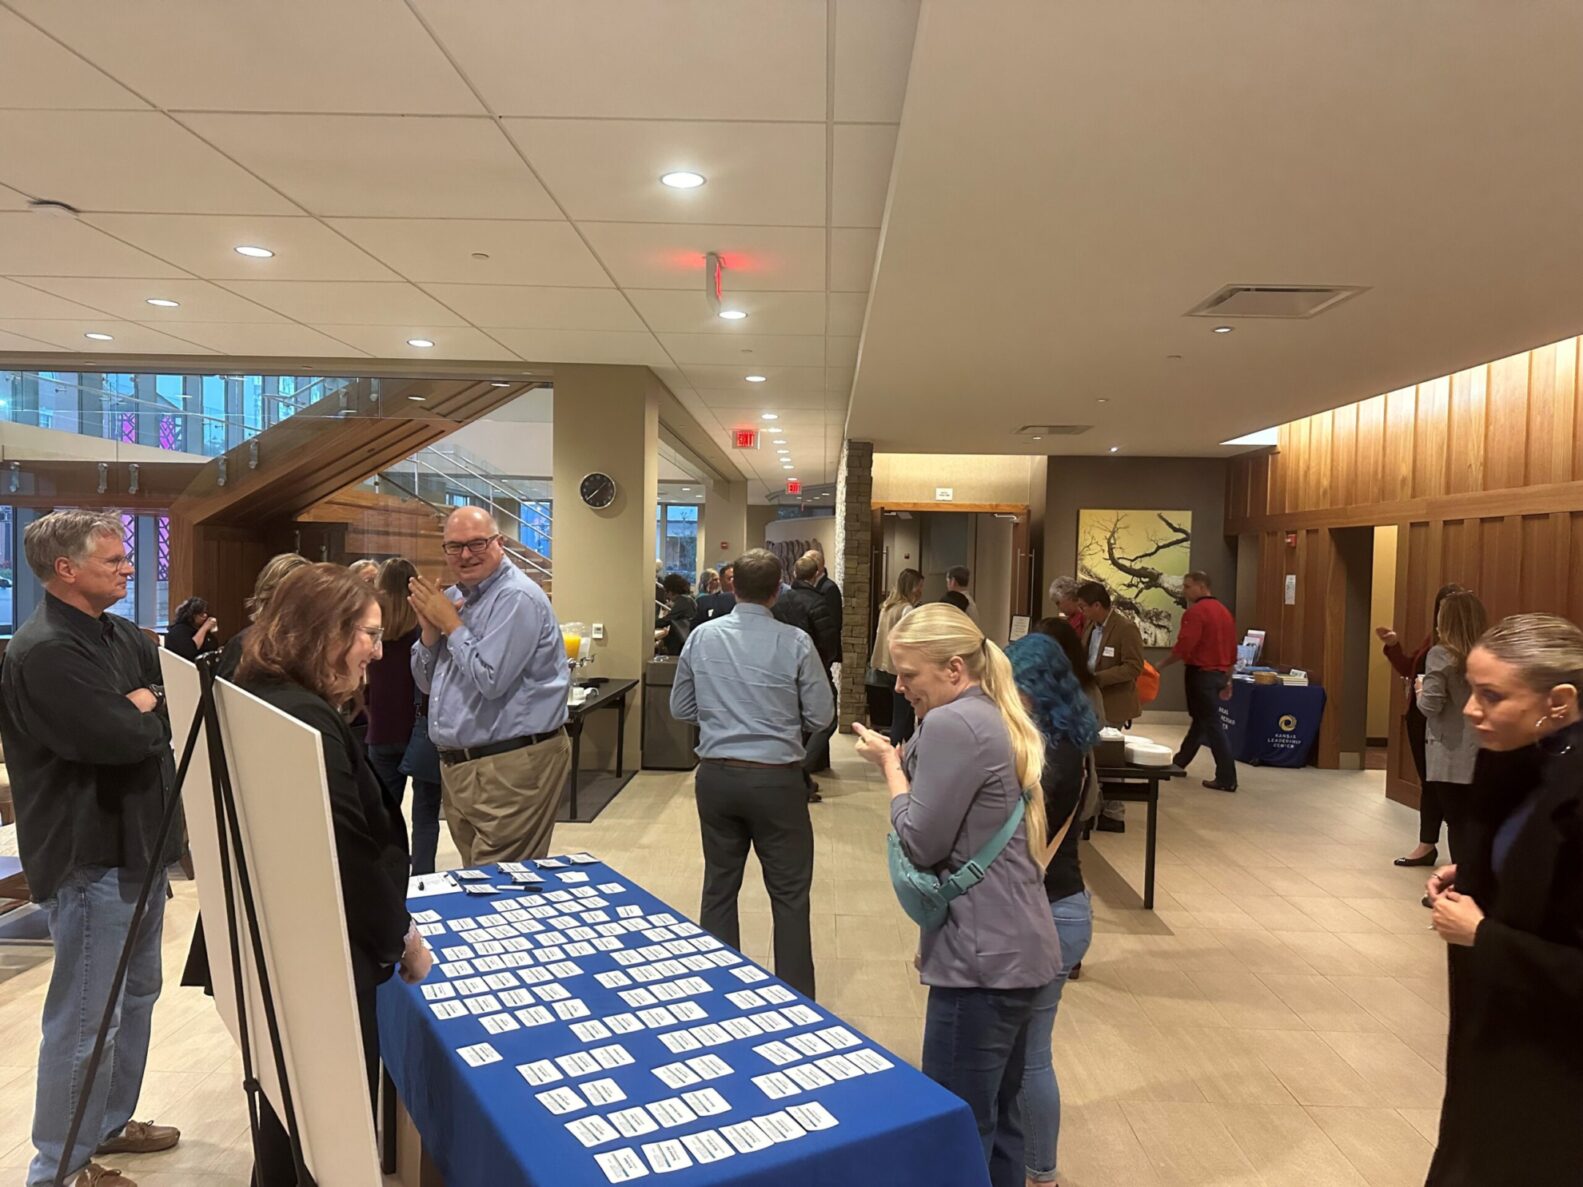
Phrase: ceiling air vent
(1053, 430)
(1273, 300)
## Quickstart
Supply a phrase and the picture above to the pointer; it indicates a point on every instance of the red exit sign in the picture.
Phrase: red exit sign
(745, 438)
(793, 486)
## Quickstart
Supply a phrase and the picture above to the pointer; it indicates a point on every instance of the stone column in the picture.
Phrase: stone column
(850, 567)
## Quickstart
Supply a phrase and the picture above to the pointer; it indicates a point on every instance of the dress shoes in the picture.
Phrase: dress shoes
(141, 1137)
(94, 1175)
(1106, 824)
(1427, 859)
(1213, 786)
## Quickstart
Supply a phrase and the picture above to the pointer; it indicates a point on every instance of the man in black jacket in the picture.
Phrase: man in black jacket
(719, 603)
(87, 744)
(829, 591)
(802, 606)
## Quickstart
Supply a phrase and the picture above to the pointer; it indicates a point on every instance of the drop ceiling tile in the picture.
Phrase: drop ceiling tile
(581, 346)
(841, 351)
(839, 379)
(873, 52)
(529, 307)
(441, 250)
(305, 249)
(45, 245)
(352, 55)
(706, 378)
(807, 401)
(18, 300)
(125, 336)
(347, 302)
(125, 160)
(390, 342)
(128, 299)
(383, 165)
(671, 255)
(852, 259)
(682, 59)
(863, 155)
(37, 71)
(10, 341)
(677, 311)
(847, 311)
(609, 170)
(758, 350)
(244, 340)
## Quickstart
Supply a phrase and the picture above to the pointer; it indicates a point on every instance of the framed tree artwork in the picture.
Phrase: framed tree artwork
(1141, 558)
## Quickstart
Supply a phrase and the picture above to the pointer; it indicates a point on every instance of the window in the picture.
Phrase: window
(534, 530)
(57, 402)
(127, 606)
(676, 538)
(7, 569)
(213, 415)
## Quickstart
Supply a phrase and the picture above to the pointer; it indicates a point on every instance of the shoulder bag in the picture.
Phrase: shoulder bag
(924, 895)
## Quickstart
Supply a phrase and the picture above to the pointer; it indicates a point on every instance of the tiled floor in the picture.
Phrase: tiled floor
(1279, 1019)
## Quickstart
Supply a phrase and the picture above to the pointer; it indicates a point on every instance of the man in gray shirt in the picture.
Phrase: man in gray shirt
(492, 660)
(754, 686)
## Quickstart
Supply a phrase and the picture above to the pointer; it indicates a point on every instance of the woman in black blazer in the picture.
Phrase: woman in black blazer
(193, 631)
(305, 655)
(1511, 911)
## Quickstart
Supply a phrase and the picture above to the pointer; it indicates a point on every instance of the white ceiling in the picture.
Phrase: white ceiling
(376, 146)
(1072, 178)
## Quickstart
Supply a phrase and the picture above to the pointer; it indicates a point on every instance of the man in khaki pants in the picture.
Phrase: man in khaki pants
(493, 663)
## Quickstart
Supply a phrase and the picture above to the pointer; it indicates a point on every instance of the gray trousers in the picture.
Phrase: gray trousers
(765, 808)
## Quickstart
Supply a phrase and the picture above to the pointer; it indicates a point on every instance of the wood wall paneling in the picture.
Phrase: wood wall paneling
(1506, 457)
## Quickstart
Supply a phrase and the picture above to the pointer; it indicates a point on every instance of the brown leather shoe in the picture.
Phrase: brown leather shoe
(94, 1175)
(141, 1137)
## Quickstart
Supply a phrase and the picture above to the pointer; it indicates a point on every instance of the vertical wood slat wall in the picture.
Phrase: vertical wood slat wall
(1482, 471)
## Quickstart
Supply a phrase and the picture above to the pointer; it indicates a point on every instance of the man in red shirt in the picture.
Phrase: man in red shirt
(1207, 647)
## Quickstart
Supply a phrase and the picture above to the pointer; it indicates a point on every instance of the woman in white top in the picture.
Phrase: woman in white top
(907, 594)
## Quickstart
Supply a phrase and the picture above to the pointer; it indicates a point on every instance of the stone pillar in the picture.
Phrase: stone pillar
(723, 536)
(607, 421)
(851, 568)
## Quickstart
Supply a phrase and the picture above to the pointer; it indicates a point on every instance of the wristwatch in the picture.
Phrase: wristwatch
(159, 696)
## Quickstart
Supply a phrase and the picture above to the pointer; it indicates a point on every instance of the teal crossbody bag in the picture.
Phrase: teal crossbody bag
(924, 895)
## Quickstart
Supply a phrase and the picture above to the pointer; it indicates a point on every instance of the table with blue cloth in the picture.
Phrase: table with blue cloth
(1272, 725)
(577, 1031)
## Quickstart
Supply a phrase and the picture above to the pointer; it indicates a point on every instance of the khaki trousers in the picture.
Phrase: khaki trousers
(502, 808)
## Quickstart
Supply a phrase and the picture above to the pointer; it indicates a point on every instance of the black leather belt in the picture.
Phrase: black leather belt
(451, 757)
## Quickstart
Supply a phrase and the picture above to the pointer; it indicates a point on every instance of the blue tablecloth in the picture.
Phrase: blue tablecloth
(1272, 725)
(485, 1125)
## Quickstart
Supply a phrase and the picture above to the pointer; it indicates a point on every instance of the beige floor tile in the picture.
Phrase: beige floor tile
(1261, 951)
(1188, 1144)
(1287, 1147)
(1246, 1002)
(1226, 1066)
(1425, 1121)
(1312, 1071)
(1431, 1048)
(1398, 1076)
(1386, 1149)
(1391, 1001)
(1320, 1004)
(1099, 1148)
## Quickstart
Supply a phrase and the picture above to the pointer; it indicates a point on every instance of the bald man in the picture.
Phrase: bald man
(493, 663)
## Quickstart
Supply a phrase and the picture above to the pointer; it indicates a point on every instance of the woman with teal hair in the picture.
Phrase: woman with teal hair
(1058, 705)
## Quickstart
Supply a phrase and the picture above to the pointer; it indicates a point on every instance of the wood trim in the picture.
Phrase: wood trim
(1548, 499)
(990, 508)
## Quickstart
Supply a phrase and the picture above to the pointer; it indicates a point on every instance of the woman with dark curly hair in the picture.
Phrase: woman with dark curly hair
(193, 631)
(1058, 705)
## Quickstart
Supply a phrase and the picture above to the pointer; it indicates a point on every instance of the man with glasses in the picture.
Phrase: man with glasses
(87, 744)
(491, 658)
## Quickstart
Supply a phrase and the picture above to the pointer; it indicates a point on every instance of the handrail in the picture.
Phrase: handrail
(418, 460)
(456, 456)
(523, 559)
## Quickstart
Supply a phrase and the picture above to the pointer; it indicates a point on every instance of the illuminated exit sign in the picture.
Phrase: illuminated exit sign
(793, 486)
(745, 438)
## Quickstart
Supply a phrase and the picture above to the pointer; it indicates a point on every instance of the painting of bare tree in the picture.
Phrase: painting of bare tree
(1140, 557)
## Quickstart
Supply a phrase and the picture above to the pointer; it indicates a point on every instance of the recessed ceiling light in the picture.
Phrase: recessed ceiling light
(683, 179)
(162, 302)
(776, 431)
(732, 314)
(498, 383)
(755, 378)
(788, 451)
(97, 337)
(769, 416)
(1038, 438)
(1224, 329)
(1104, 399)
(417, 399)
(686, 489)
(1115, 448)
(421, 343)
(257, 253)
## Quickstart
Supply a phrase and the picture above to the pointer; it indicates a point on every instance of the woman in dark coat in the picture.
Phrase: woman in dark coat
(1511, 912)
(192, 631)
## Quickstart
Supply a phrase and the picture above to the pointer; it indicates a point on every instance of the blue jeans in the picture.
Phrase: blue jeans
(1203, 705)
(973, 1042)
(1041, 1093)
(90, 916)
(385, 758)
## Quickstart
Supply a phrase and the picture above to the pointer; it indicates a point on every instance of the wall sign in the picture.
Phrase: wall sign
(1290, 596)
(944, 494)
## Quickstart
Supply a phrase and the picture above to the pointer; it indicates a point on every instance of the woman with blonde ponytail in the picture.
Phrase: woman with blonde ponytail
(976, 756)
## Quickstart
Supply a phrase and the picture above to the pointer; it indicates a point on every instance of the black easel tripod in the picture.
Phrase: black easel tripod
(207, 719)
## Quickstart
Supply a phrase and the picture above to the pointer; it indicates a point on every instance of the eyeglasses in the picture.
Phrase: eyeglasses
(376, 633)
(455, 547)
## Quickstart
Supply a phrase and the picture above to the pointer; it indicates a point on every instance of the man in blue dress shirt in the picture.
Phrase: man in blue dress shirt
(755, 686)
(492, 660)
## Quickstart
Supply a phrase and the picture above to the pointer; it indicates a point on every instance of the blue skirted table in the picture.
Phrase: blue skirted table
(576, 1031)
(1272, 725)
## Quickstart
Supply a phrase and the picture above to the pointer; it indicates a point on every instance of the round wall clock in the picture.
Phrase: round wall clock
(598, 490)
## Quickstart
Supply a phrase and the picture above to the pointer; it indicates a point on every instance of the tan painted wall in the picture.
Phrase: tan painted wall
(1382, 612)
(725, 528)
(973, 478)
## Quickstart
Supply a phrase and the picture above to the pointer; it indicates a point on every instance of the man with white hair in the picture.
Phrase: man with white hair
(494, 665)
(1063, 592)
(87, 745)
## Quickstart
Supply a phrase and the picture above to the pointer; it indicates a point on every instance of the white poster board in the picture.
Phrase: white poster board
(283, 810)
